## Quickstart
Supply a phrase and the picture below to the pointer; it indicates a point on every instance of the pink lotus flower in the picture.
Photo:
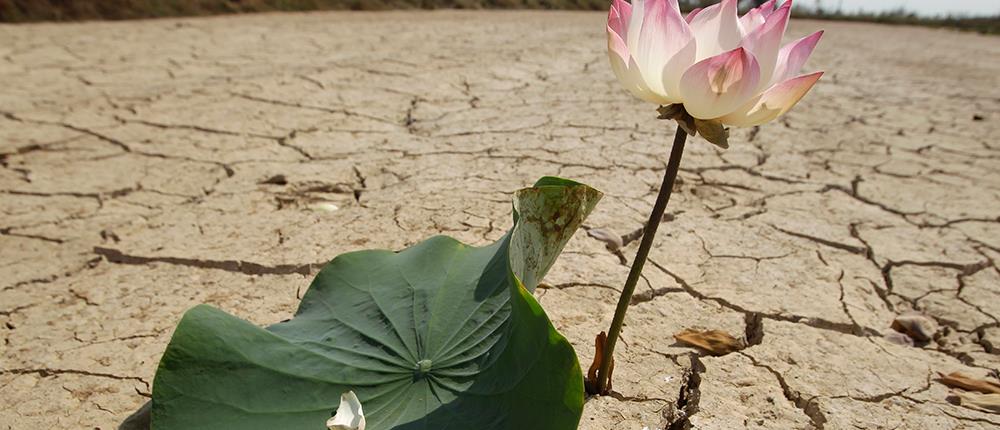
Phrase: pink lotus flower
(721, 67)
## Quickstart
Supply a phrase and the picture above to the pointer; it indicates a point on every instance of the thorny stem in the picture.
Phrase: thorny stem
(640, 257)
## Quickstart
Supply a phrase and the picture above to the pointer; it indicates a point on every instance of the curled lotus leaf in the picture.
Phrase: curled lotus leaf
(441, 335)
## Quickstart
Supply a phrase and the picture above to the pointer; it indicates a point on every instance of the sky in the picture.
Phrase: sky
(921, 7)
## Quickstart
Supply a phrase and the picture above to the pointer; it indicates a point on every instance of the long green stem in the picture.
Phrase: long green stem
(640, 257)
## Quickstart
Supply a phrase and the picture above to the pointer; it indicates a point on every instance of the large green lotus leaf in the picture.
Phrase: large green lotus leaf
(438, 336)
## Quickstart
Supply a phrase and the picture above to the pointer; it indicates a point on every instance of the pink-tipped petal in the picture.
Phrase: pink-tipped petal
(765, 41)
(618, 18)
(793, 56)
(756, 17)
(768, 7)
(719, 85)
(666, 48)
(716, 29)
(750, 21)
(774, 102)
(694, 12)
(617, 46)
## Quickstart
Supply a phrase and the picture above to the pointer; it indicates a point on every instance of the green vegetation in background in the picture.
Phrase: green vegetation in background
(980, 24)
(76, 10)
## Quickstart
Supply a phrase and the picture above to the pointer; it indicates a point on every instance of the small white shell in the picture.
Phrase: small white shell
(324, 207)
(349, 415)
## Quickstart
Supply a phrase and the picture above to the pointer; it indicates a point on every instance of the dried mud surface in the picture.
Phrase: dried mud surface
(150, 166)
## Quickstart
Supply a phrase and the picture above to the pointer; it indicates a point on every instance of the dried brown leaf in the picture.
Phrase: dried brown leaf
(958, 380)
(715, 342)
(982, 402)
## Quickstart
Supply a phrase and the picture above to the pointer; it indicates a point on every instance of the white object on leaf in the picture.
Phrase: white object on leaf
(349, 415)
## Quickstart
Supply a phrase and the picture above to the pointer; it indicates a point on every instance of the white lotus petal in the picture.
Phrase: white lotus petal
(666, 48)
(716, 29)
(630, 77)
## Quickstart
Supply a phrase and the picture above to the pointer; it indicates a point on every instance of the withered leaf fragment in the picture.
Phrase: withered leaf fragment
(982, 402)
(713, 131)
(677, 113)
(715, 342)
(590, 384)
(958, 380)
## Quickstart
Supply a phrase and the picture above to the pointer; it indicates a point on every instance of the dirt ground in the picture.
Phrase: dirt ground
(150, 166)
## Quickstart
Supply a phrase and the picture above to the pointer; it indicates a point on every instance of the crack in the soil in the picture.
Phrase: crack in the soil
(286, 141)
(8, 231)
(98, 197)
(859, 250)
(758, 260)
(16, 309)
(198, 128)
(89, 264)
(46, 372)
(649, 295)
(882, 291)
(879, 398)
(964, 270)
(808, 406)
(843, 304)
(970, 419)
(237, 266)
(408, 119)
(342, 111)
(122, 145)
(814, 322)
(567, 285)
(363, 185)
(689, 398)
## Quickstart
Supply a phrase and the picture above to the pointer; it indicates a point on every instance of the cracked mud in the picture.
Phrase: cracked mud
(149, 166)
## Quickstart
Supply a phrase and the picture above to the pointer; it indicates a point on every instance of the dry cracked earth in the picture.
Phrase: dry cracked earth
(150, 166)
